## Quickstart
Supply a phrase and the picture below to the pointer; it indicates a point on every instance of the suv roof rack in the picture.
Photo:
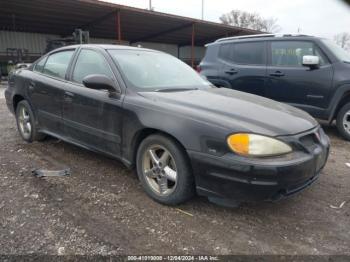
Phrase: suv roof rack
(257, 36)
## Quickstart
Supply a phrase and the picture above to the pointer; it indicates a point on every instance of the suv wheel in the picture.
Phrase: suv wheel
(164, 170)
(343, 121)
(26, 123)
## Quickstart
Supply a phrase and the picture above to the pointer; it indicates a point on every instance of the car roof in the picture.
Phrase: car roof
(105, 47)
(262, 37)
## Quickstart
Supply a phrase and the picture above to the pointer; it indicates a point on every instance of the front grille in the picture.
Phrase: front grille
(309, 140)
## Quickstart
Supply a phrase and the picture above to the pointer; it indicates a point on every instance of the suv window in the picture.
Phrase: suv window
(90, 62)
(40, 65)
(225, 51)
(57, 64)
(290, 53)
(252, 53)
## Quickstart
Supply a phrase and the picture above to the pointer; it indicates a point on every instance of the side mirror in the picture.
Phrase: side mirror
(99, 82)
(311, 61)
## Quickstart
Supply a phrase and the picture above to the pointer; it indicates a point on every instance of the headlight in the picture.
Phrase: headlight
(257, 145)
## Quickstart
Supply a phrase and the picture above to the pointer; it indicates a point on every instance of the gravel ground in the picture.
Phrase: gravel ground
(101, 208)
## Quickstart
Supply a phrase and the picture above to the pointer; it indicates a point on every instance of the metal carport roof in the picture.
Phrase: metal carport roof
(108, 20)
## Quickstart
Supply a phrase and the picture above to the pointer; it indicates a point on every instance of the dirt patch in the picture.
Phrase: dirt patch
(101, 208)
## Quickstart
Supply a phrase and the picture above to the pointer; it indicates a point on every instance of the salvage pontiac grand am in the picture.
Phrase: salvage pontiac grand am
(152, 111)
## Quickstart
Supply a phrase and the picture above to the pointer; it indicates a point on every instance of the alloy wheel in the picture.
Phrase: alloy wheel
(24, 123)
(159, 170)
(346, 122)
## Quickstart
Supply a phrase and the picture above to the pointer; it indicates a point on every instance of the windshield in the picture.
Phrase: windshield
(154, 70)
(339, 52)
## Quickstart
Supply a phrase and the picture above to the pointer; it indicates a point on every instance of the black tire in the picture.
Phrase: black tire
(344, 128)
(184, 188)
(33, 135)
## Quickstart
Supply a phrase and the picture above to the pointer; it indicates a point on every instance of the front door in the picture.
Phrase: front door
(291, 82)
(92, 117)
(244, 66)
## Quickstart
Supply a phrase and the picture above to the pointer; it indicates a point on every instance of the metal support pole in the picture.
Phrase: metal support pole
(118, 26)
(192, 46)
(202, 9)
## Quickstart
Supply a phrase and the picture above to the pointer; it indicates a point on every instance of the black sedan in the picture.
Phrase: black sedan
(185, 136)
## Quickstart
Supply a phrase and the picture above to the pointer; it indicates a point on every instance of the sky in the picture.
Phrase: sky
(324, 18)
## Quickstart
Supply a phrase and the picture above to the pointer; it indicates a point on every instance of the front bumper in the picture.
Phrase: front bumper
(251, 179)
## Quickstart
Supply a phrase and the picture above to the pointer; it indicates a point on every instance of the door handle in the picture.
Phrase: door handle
(68, 97)
(68, 94)
(31, 85)
(232, 71)
(277, 73)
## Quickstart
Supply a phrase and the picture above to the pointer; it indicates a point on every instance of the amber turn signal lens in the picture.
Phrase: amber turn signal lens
(239, 143)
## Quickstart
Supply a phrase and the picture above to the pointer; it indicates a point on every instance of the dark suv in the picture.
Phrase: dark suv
(308, 72)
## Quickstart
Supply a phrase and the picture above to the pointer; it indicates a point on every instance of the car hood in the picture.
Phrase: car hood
(235, 111)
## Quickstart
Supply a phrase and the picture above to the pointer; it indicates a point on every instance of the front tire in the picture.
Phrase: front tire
(26, 123)
(343, 121)
(164, 170)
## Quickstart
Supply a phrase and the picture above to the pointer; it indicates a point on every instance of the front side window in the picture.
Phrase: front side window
(250, 53)
(290, 53)
(155, 70)
(57, 64)
(90, 62)
(40, 65)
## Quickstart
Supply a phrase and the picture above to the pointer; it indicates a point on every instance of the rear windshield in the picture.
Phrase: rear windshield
(154, 70)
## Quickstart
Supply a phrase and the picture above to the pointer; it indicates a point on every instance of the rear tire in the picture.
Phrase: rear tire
(164, 170)
(343, 121)
(26, 123)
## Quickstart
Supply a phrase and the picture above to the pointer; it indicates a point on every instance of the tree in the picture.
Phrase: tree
(270, 25)
(343, 39)
(250, 20)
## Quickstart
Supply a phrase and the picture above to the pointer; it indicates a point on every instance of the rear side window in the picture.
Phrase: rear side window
(251, 53)
(90, 62)
(57, 64)
(248, 53)
(40, 65)
(290, 53)
(225, 51)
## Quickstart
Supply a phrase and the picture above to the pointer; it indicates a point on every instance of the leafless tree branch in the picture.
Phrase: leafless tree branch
(250, 20)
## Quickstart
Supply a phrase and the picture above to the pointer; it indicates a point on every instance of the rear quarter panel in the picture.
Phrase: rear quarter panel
(211, 66)
(17, 85)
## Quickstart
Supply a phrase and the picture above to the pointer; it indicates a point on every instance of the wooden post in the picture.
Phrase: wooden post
(118, 26)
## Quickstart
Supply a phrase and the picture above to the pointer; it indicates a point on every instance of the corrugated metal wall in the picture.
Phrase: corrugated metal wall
(167, 48)
(36, 43)
(183, 52)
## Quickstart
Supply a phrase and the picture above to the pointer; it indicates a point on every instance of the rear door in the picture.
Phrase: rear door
(244, 66)
(46, 88)
(92, 117)
(289, 81)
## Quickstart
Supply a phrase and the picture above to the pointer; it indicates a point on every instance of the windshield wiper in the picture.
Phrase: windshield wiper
(175, 89)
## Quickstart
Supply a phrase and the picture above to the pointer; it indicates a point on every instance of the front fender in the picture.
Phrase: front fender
(191, 133)
(338, 95)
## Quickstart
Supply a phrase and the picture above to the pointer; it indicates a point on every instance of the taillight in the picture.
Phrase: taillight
(198, 69)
